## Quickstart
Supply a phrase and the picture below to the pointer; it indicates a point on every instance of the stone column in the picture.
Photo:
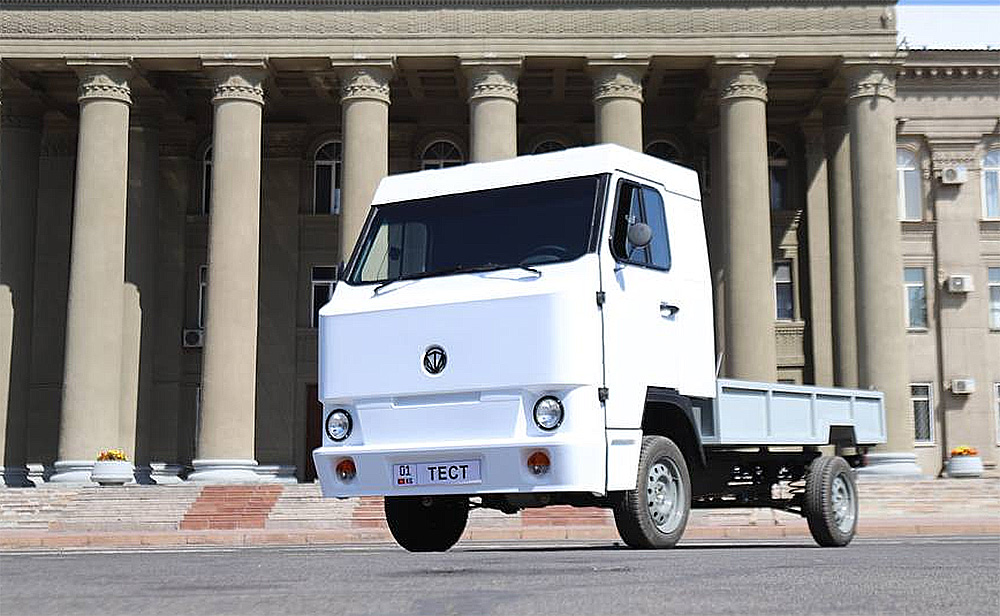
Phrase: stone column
(492, 107)
(364, 96)
(19, 149)
(229, 373)
(818, 238)
(140, 275)
(618, 100)
(878, 270)
(743, 178)
(845, 337)
(92, 381)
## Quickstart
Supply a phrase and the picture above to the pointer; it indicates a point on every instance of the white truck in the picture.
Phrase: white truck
(539, 331)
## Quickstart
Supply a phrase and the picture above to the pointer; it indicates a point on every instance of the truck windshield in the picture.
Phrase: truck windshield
(516, 226)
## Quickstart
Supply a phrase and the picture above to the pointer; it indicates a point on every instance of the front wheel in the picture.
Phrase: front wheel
(425, 523)
(831, 501)
(655, 514)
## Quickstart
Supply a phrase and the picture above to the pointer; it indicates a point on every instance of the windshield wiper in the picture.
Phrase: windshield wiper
(457, 269)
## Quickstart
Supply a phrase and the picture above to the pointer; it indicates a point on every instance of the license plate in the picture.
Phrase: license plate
(437, 473)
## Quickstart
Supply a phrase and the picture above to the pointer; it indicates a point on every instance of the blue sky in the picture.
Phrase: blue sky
(949, 24)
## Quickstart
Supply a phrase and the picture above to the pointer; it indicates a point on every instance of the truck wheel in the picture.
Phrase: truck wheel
(655, 513)
(831, 501)
(426, 524)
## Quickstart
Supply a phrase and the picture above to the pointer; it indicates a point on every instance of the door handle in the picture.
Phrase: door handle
(670, 309)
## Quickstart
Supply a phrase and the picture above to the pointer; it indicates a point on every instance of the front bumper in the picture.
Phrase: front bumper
(577, 466)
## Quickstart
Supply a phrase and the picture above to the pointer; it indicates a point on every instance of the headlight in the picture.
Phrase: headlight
(548, 413)
(338, 425)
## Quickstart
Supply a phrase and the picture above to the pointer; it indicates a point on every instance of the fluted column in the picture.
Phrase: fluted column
(229, 374)
(364, 97)
(618, 100)
(879, 264)
(92, 377)
(743, 178)
(20, 126)
(845, 337)
(492, 107)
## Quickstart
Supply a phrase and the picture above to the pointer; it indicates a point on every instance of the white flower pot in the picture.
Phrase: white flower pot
(965, 466)
(112, 472)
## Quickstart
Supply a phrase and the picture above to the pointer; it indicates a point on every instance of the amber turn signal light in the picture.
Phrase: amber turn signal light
(538, 463)
(346, 469)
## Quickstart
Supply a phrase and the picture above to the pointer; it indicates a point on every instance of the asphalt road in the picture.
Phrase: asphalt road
(905, 576)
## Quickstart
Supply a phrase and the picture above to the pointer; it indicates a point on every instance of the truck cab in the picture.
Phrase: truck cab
(521, 333)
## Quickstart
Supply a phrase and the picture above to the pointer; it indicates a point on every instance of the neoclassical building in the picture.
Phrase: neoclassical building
(180, 178)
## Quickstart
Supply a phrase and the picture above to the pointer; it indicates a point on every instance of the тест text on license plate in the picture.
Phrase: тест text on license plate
(437, 473)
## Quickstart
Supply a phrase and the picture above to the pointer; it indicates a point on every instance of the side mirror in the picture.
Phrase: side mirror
(639, 235)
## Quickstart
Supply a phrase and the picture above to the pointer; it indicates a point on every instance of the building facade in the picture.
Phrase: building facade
(180, 179)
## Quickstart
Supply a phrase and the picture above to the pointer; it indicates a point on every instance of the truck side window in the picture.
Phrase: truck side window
(641, 204)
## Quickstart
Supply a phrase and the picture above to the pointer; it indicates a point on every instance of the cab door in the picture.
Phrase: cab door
(643, 309)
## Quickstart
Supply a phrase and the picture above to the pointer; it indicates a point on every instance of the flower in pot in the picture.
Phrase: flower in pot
(112, 468)
(965, 462)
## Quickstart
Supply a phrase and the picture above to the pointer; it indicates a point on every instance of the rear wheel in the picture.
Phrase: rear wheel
(831, 501)
(655, 514)
(425, 523)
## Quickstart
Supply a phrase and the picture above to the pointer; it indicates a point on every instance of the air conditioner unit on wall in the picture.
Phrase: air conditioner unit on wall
(954, 175)
(960, 283)
(193, 338)
(963, 386)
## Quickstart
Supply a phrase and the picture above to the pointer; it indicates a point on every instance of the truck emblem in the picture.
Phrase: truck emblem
(435, 359)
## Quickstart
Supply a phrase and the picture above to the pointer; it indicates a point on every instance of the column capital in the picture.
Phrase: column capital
(617, 77)
(492, 77)
(871, 77)
(742, 76)
(103, 79)
(236, 79)
(364, 78)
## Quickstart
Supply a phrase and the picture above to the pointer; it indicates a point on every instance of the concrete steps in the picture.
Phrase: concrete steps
(277, 507)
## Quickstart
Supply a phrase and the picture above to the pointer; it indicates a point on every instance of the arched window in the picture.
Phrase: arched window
(327, 167)
(441, 154)
(206, 180)
(549, 145)
(908, 185)
(991, 184)
(664, 150)
(777, 171)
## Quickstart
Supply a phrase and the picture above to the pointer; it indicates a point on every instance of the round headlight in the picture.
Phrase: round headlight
(548, 413)
(338, 425)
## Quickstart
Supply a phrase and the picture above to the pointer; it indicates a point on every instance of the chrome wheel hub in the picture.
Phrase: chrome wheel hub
(665, 496)
(845, 508)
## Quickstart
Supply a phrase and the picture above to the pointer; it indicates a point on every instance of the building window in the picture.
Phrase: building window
(991, 184)
(664, 150)
(777, 168)
(441, 154)
(549, 145)
(908, 185)
(923, 416)
(327, 169)
(994, 289)
(916, 297)
(324, 279)
(206, 181)
(784, 301)
(202, 295)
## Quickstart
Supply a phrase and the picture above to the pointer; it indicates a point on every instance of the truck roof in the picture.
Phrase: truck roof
(529, 169)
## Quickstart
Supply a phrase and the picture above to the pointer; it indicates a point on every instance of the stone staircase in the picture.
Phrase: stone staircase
(300, 507)
(231, 507)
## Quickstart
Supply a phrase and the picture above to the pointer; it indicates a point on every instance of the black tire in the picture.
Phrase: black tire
(645, 525)
(426, 524)
(830, 502)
